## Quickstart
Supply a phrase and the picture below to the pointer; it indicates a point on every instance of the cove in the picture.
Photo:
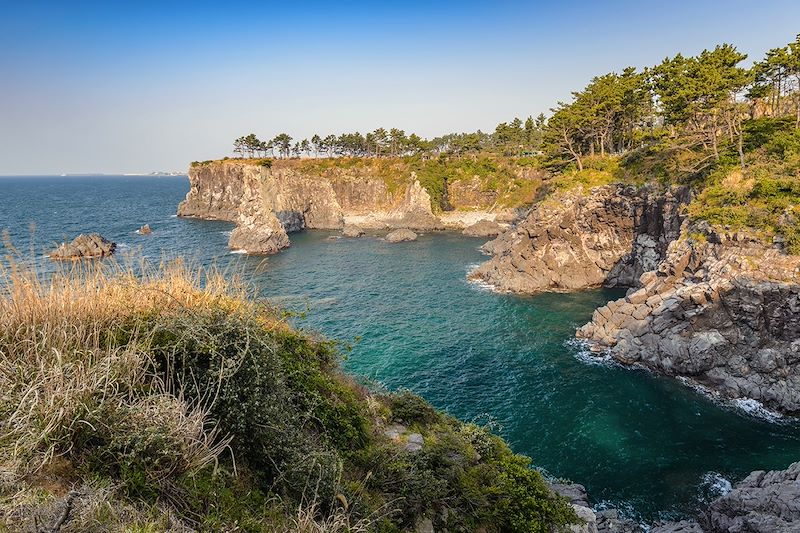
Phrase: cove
(647, 445)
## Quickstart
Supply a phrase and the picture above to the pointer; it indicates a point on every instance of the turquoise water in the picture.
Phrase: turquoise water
(645, 444)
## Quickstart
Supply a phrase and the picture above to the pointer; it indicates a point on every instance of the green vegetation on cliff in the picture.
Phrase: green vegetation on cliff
(173, 400)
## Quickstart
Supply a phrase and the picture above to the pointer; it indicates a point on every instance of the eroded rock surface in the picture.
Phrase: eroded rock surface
(578, 239)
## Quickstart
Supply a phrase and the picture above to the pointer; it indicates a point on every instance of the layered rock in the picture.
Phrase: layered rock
(576, 240)
(722, 310)
(84, 246)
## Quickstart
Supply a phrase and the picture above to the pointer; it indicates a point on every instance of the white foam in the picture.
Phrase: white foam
(581, 352)
(238, 251)
(756, 408)
(480, 284)
(715, 484)
(173, 216)
(749, 406)
(227, 233)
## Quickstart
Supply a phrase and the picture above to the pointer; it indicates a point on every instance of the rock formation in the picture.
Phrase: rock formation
(764, 502)
(401, 235)
(575, 240)
(144, 230)
(269, 203)
(721, 309)
(483, 228)
(84, 246)
(353, 231)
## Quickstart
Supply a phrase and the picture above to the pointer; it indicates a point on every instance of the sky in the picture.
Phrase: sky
(126, 87)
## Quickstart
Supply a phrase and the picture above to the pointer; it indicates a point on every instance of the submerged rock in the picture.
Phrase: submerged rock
(483, 228)
(84, 246)
(401, 235)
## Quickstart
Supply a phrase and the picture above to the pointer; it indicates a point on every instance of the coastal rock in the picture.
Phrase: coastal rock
(401, 235)
(353, 231)
(721, 310)
(764, 502)
(575, 240)
(483, 228)
(258, 230)
(414, 212)
(606, 521)
(84, 246)
(255, 197)
(144, 230)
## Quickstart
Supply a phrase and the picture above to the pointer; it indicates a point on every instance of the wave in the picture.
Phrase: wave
(581, 351)
(748, 406)
(713, 485)
(480, 284)
(238, 251)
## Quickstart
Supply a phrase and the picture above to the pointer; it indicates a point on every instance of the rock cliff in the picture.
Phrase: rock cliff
(268, 203)
(578, 239)
(721, 309)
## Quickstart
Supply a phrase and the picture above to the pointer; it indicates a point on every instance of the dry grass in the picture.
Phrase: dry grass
(60, 374)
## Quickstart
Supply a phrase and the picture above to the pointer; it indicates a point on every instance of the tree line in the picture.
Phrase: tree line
(509, 138)
(688, 104)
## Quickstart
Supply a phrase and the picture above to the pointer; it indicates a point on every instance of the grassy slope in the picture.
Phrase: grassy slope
(145, 402)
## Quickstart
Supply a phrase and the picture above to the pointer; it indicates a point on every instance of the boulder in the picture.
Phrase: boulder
(144, 230)
(353, 231)
(401, 235)
(483, 228)
(84, 246)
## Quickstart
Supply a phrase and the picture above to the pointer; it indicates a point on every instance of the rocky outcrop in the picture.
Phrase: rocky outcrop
(764, 502)
(144, 230)
(84, 246)
(268, 203)
(483, 228)
(722, 310)
(401, 235)
(576, 240)
(353, 231)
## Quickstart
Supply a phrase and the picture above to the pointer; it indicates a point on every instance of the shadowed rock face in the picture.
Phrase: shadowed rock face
(723, 310)
(268, 204)
(575, 240)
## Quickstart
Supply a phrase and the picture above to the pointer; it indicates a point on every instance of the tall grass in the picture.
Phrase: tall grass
(61, 377)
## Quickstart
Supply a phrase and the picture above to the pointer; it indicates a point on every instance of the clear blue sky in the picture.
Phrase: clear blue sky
(107, 87)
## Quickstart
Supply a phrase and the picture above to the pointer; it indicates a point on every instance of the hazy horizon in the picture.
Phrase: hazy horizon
(103, 88)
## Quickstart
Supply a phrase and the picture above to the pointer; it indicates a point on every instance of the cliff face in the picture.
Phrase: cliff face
(575, 240)
(721, 309)
(269, 203)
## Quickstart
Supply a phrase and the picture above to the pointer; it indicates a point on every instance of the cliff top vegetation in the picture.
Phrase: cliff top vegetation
(731, 132)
